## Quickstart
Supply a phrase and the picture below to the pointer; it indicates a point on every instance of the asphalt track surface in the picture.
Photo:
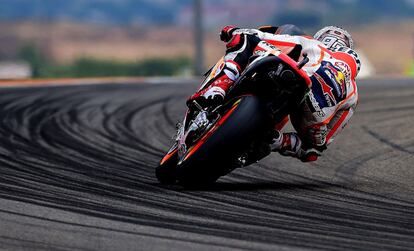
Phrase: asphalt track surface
(77, 173)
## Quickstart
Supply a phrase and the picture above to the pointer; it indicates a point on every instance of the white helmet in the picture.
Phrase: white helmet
(334, 37)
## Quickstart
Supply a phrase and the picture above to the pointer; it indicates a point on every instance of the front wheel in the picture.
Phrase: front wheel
(166, 170)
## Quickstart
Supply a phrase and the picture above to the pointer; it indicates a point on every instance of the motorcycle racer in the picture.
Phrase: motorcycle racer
(333, 66)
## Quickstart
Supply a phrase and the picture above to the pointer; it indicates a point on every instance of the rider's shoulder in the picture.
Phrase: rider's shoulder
(351, 57)
(347, 51)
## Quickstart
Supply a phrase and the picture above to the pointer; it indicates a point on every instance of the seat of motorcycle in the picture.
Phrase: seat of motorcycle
(286, 29)
(268, 29)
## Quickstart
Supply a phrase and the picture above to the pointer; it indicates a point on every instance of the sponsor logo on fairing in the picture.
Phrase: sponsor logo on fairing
(267, 46)
(259, 52)
(245, 31)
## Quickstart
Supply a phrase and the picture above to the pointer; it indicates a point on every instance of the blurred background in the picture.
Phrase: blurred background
(92, 38)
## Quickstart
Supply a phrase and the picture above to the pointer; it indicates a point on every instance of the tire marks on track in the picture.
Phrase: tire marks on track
(92, 150)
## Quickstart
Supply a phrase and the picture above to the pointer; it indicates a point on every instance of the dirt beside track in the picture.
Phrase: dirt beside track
(77, 173)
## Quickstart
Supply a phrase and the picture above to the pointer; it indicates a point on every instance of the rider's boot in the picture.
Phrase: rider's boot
(289, 144)
(214, 94)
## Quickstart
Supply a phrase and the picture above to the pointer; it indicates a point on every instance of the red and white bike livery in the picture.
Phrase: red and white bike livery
(213, 141)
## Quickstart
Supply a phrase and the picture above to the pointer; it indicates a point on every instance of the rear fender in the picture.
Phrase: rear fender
(215, 153)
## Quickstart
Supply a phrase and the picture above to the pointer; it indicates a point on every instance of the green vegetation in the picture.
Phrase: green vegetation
(87, 67)
(43, 67)
(410, 71)
(32, 55)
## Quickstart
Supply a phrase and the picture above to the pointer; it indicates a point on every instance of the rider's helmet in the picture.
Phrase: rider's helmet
(334, 37)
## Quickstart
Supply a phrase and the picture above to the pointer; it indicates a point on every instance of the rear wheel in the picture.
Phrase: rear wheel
(215, 153)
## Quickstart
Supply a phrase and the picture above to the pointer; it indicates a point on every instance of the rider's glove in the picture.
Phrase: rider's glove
(226, 34)
(287, 144)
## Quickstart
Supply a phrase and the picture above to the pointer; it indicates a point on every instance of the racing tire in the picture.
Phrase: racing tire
(166, 170)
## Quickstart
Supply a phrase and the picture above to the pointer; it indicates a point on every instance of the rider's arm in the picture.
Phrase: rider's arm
(318, 137)
(337, 123)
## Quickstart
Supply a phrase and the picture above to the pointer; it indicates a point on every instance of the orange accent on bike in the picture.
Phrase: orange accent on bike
(281, 43)
(168, 156)
(264, 27)
(193, 149)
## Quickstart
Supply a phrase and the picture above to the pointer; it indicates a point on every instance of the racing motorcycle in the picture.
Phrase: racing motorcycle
(213, 141)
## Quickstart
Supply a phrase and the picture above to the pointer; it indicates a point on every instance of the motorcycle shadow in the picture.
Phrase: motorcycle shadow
(252, 186)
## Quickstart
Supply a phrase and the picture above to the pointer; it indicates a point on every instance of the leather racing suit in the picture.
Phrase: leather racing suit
(328, 106)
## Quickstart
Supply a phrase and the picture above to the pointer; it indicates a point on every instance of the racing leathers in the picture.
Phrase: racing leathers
(327, 107)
